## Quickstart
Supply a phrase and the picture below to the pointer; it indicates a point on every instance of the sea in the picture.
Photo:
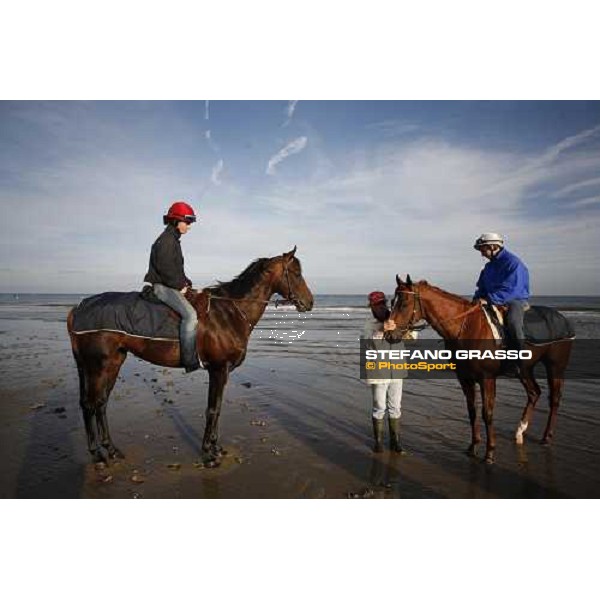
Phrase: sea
(329, 333)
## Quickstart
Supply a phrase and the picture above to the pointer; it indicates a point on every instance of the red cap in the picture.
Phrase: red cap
(376, 298)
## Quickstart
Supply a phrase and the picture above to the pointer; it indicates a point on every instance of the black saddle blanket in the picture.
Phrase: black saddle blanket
(129, 312)
(544, 324)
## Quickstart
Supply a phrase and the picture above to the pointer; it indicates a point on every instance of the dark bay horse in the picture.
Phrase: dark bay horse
(224, 327)
(463, 326)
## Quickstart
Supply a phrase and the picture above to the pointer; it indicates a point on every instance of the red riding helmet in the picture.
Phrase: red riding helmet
(180, 211)
(376, 298)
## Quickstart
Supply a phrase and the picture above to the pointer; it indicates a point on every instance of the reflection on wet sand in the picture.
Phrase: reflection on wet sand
(300, 429)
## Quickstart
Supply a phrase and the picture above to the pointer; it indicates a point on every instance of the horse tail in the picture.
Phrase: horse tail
(70, 323)
(72, 335)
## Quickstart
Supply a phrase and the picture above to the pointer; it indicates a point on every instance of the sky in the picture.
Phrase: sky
(365, 190)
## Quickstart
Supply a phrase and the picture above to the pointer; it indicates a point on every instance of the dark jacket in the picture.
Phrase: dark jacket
(166, 260)
(504, 278)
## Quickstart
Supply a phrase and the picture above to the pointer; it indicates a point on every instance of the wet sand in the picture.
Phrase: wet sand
(293, 429)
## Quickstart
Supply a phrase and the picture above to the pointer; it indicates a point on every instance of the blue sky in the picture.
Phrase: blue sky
(364, 189)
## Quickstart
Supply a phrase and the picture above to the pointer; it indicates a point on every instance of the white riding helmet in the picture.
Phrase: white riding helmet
(487, 239)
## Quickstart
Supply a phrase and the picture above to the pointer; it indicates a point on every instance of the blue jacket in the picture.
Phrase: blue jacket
(503, 279)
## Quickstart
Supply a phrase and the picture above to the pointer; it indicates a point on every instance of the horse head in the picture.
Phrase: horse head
(290, 283)
(406, 309)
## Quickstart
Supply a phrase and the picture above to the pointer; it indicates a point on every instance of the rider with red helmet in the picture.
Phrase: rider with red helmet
(169, 280)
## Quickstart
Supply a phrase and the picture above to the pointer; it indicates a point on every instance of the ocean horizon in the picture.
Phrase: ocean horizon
(560, 302)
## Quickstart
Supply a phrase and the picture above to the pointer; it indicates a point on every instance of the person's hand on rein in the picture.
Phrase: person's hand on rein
(389, 325)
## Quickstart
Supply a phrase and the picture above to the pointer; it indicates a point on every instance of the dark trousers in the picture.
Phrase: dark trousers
(189, 321)
(514, 323)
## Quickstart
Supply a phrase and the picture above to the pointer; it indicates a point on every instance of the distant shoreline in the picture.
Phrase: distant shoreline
(351, 302)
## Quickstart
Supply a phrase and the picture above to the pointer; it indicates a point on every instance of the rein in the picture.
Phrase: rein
(291, 298)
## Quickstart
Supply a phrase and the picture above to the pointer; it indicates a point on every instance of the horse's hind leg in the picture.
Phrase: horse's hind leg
(555, 389)
(88, 415)
(533, 394)
(468, 388)
(109, 377)
(488, 399)
(98, 369)
(556, 365)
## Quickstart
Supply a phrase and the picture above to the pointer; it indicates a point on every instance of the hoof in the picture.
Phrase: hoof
(218, 451)
(471, 450)
(490, 459)
(211, 462)
(546, 441)
(114, 452)
(99, 460)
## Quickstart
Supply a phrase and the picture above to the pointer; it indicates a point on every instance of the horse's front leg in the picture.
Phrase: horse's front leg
(468, 387)
(488, 398)
(210, 447)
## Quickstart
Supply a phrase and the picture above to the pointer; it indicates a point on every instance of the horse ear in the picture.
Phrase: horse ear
(289, 255)
(399, 281)
(408, 280)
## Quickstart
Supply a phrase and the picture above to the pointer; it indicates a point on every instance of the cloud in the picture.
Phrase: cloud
(291, 107)
(206, 115)
(207, 134)
(289, 111)
(216, 172)
(294, 147)
(393, 127)
(417, 207)
(406, 205)
(593, 200)
(574, 187)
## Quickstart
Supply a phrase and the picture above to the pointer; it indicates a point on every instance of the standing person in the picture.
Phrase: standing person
(387, 393)
(169, 280)
(504, 281)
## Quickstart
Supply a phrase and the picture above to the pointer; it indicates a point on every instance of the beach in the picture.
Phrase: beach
(295, 421)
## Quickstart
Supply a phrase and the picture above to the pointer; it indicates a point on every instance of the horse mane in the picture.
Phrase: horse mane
(244, 282)
(447, 295)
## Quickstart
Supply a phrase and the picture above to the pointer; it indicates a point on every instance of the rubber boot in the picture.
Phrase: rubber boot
(378, 430)
(395, 445)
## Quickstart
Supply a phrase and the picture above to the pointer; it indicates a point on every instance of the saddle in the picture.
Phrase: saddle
(541, 324)
(135, 313)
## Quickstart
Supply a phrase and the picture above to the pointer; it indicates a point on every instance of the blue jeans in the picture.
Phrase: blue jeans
(189, 321)
(514, 322)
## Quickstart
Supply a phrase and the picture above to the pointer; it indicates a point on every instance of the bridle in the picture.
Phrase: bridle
(412, 322)
(410, 326)
(291, 296)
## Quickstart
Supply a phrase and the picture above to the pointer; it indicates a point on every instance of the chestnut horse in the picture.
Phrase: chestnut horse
(463, 325)
(224, 326)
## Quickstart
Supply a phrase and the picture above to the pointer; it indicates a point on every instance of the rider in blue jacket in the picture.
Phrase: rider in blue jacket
(505, 281)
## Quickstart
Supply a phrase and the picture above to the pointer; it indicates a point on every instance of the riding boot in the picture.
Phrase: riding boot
(395, 445)
(189, 354)
(193, 367)
(378, 430)
(514, 367)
